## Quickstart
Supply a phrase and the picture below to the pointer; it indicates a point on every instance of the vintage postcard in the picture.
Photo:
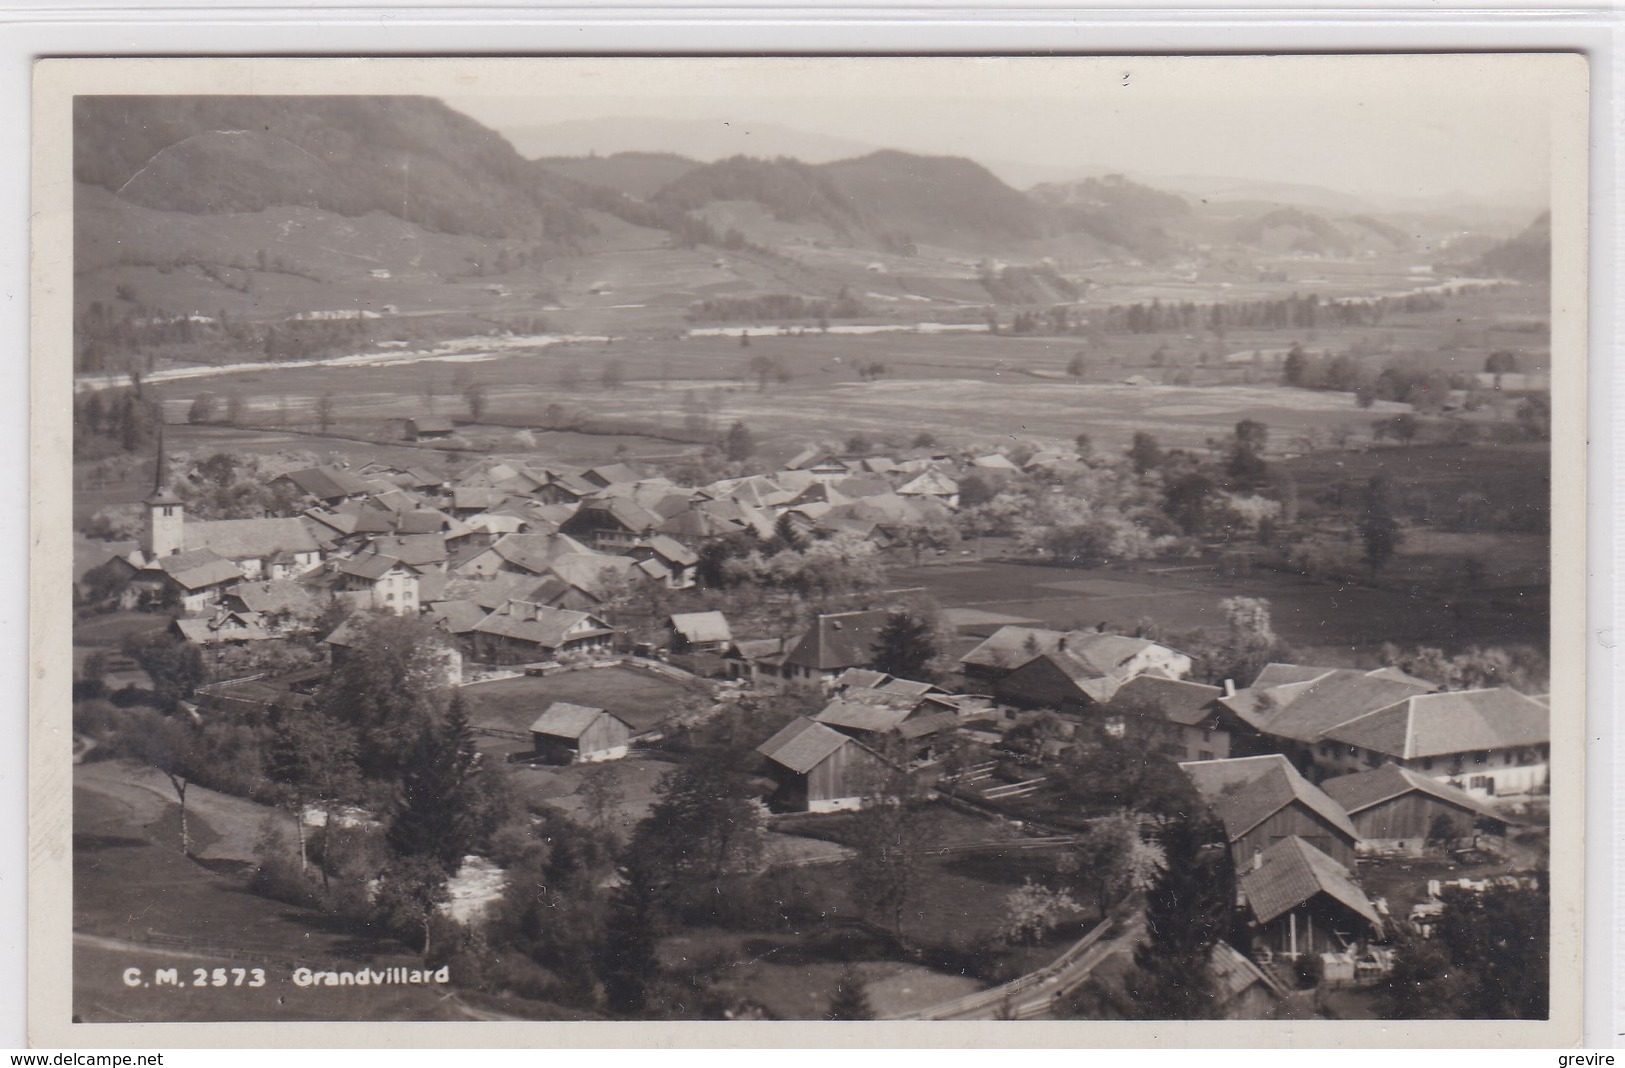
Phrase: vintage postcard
(975, 551)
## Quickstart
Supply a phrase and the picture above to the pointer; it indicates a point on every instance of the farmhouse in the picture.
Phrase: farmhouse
(1009, 647)
(380, 582)
(1397, 810)
(1300, 901)
(614, 525)
(1285, 712)
(832, 644)
(1490, 743)
(700, 632)
(429, 428)
(328, 485)
(1263, 801)
(818, 769)
(521, 631)
(577, 734)
(1084, 669)
(223, 627)
(196, 579)
(1191, 724)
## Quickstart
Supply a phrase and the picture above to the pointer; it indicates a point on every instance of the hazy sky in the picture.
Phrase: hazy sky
(1384, 127)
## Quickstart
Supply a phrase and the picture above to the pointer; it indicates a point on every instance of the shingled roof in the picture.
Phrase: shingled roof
(1291, 872)
(1438, 724)
(1362, 790)
(1306, 710)
(838, 640)
(561, 719)
(702, 626)
(1245, 791)
(1187, 703)
(250, 539)
(197, 569)
(802, 745)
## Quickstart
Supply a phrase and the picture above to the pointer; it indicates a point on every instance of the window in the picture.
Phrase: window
(1481, 757)
(1427, 763)
(1204, 755)
(1207, 736)
(389, 596)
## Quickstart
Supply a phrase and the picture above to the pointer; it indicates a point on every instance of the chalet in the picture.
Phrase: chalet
(262, 548)
(614, 525)
(700, 632)
(429, 428)
(1188, 720)
(676, 561)
(832, 644)
(1489, 743)
(523, 554)
(818, 769)
(520, 632)
(457, 618)
(1284, 711)
(1083, 669)
(821, 466)
(1263, 800)
(328, 485)
(1397, 810)
(933, 484)
(471, 500)
(576, 734)
(1299, 901)
(195, 579)
(380, 582)
(1010, 647)
(223, 627)
(890, 719)
(285, 606)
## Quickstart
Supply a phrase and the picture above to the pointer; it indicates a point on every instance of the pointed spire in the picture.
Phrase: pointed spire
(161, 493)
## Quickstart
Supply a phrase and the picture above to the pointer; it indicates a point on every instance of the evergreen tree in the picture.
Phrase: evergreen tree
(1187, 910)
(739, 443)
(435, 819)
(1144, 452)
(905, 646)
(1379, 530)
(630, 965)
(850, 1001)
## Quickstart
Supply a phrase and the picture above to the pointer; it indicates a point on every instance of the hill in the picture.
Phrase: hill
(941, 200)
(636, 174)
(1527, 257)
(411, 157)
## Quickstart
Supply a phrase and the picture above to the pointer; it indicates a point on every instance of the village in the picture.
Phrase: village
(617, 645)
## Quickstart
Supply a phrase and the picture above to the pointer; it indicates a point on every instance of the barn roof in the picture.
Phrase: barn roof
(702, 626)
(279, 595)
(1178, 701)
(864, 715)
(327, 483)
(413, 550)
(1274, 674)
(1291, 872)
(373, 566)
(245, 539)
(1246, 791)
(457, 617)
(1460, 721)
(196, 569)
(1304, 711)
(561, 719)
(802, 745)
(838, 640)
(1362, 790)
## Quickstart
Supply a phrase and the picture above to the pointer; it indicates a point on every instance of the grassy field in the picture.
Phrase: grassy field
(643, 699)
(1336, 624)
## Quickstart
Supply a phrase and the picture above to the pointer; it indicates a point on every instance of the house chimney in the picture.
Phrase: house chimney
(1258, 859)
(1230, 687)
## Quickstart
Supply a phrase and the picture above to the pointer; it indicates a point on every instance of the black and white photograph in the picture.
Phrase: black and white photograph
(655, 541)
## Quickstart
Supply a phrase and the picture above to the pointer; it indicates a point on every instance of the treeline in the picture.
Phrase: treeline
(777, 307)
(1295, 312)
(107, 422)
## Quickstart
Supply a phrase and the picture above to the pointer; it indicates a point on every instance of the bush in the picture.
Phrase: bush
(1309, 969)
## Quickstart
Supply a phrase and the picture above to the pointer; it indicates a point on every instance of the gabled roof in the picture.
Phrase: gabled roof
(1187, 703)
(589, 571)
(456, 617)
(933, 723)
(931, 482)
(327, 483)
(1275, 674)
(230, 627)
(429, 521)
(198, 569)
(610, 474)
(372, 566)
(1009, 647)
(279, 595)
(477, 498)
(413, 550)
(860, 679)
(1246, 791)
(995, 462)
(247, 539)
(1291, 872)
(561, 719)
(702, 626)
(758, 648)
(839, 640)
(1304, 711)
(1362, 790)
(537, 624)
(369, 519)
(1438, 724)
(672, 551)
(803, 744)
(537, 552)
(868, 716)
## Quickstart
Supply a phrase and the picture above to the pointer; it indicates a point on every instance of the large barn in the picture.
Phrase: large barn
(1300, 901)
(1397, 810)
(566, 733)
(819, 769)
(1263, 801)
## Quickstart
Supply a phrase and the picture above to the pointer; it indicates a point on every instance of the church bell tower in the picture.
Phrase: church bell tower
(164, 531)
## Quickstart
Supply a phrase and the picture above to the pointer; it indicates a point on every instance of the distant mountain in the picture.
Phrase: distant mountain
(1527, 256)
(792, 191)
(636, 174)
(412, 157)
(1210, 189)
(706, 141)
(943, 200)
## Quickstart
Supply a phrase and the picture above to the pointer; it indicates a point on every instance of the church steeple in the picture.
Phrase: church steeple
(163, 533)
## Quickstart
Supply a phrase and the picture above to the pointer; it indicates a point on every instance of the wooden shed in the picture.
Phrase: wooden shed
(1263, 801)
(1397, 810)
(1302, 902)
(578, 734)
(819, 769)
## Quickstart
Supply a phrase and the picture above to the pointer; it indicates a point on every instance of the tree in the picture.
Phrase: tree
(601, 797)
(170, 744)
(1085, 445)
(174, 665)
(1187, 911)
(1077, 365)
(1379, 530)
(324, 411)
(202, 409)
(886, 835)
(935, 534)
(436, 811)
(1501, 362)
(629, 963)
(390, 684)
(850, 1001)
(705, 825)
(410, 891)
(1144, 453)
(1188, 501)
(738, 443)
(475, 397)
(1112, 859)
(1246, 467)
(1032, 911)
(612, 376)
(313, 757)
(906, 646)
(1295, 366)
(1488, 959)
